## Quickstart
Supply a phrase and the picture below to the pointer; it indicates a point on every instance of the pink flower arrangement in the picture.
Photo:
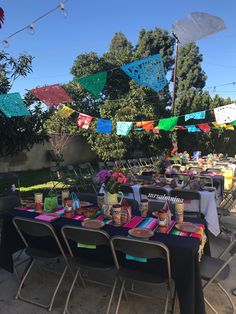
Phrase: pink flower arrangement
(111, 180)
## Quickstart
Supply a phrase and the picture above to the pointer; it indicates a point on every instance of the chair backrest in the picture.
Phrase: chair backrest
(140, 248)
(213, 170)
(35, 228)
(197, 170)
(84, 236)
(205, 180)
(127, 189)
(187, 195)
(152, 190)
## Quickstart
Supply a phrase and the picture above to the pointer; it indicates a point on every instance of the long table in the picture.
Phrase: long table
(183, 255)
(208, 207)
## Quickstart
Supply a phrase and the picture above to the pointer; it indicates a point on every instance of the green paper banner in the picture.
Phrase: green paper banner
(167, 124)
(94, 83)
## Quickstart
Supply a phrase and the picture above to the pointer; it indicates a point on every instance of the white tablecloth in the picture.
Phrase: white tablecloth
(208, 208)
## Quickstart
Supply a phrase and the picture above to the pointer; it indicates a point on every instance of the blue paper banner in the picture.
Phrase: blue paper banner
(147, 72)
(195, 115)
(123, 128)
(13, 106)
(192, 128)
(104, 126)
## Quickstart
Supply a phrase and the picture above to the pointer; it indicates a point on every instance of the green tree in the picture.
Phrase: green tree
(19, 133)
(122, 100)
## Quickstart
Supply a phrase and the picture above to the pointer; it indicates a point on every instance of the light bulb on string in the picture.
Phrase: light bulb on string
(6, 43)
(31, 29)
(63, 10)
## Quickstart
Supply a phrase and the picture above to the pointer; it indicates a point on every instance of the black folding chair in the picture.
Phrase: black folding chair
(127, 190)
(87, 176)
(110, 165)
(215, 270)
(153, 193)
(44, 231)
(187, 195)
(91, 260)
(59, 178)
(123, 246)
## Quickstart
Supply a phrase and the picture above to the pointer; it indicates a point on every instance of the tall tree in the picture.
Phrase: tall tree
(19, 133)
(122, 100)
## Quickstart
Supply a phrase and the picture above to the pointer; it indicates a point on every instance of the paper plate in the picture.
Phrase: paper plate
(187, 227)
(93, 224)
(141, 233)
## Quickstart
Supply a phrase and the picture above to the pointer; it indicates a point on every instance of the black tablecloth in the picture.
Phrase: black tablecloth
(183, 254)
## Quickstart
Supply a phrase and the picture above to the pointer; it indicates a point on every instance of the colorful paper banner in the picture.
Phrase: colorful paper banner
(123, 128)
(167, 124)
(192, 128)
(104, 126)
(204, 127)
(52, 95)
(94, 83)
(65, 111)
(83, 121)
(225, 114)
(13, 106)
(147, 72)
(146, 125)
(195, 115)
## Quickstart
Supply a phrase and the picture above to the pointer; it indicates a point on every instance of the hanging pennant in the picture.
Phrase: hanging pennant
(219, 126)
(104, 126)
(233, 123)
(225, 114)
(146, 125)
(192, 128)
(204, 127)
(156, 130)
(123, 128)
(229, 127)
(147, 72)
(65, 111)
(180, 127)
(94, 83)
(83, 121)
(52, 95)
(167, 124)
(13, 106)
(195, 115)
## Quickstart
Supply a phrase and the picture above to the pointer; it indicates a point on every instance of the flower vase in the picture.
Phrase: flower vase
(110, 200)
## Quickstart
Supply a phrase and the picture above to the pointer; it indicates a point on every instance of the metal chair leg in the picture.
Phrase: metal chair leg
(120, 295)
(228, 296)
(24, 278)
(111, 297)
(174, 301)
(167, 301)
(209, 304)
(70, 292)
(57, 287)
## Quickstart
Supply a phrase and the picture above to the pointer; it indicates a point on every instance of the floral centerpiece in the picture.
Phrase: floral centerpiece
(111, 181)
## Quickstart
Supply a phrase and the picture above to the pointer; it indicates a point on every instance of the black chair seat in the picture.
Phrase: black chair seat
(135, 275)
(210, 265)
(39, 253)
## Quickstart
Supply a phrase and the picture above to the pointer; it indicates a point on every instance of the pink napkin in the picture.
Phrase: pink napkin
(46, 218)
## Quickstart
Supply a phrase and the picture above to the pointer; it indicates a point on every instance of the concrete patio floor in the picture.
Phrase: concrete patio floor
(94, 299)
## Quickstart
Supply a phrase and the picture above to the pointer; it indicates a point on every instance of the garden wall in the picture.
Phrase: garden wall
(77, 151)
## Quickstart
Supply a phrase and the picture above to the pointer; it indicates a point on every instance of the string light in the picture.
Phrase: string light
(63, 10)
(5, 42)
(31, 27)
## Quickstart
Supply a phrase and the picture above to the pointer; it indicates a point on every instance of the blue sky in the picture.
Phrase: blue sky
(91, 24)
